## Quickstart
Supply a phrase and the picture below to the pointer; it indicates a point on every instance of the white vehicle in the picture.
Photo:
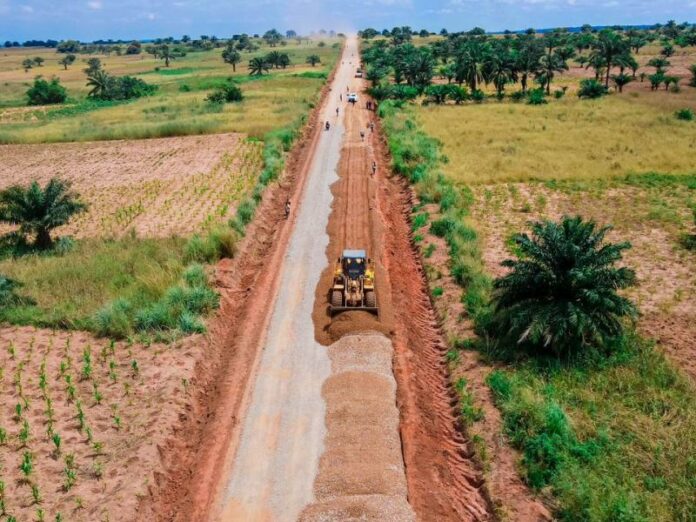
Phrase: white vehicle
(352, 97)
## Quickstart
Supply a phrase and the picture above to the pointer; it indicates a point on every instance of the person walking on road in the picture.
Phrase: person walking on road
(374, 167)
(336, 111)
(362, 135)
(340, 97)
(287, 208)
(372, 126)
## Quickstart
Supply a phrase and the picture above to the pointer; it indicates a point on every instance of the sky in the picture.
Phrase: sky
(139, 19)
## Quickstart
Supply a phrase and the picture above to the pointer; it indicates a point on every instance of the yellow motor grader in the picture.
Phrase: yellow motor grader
(353, 283)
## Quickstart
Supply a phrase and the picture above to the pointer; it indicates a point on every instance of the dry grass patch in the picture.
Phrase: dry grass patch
(566, 139)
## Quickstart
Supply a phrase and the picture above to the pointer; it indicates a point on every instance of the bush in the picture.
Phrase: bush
(218, 244)
(536, 97)
(393, 92)
(113, 320)
(591, 89)
(227, 94)
(684, 114)
(46, 93)
(518, 96)
(8, 294)
(478, 96)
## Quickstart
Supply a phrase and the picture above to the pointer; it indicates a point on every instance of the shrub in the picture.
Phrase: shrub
(536, 97)
(518, 96)
(227, 94)
(591, 88)
(46, 93)
(113, 320)
(685, 114)
(478, 96)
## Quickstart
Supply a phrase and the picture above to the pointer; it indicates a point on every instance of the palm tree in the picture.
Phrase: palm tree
(313, 59)
(273, 58)
(607, 48)
(561, 293)
(99, 81)
(470, 63)
(37, 211)
(257, 66)
(549, 65)
(621, 80)
(232, 56)
(165, 53)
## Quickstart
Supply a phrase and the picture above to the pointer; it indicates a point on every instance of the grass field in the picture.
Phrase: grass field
(178, 108)
(566, 139)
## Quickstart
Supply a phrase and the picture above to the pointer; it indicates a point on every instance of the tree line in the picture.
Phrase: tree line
(398, 68)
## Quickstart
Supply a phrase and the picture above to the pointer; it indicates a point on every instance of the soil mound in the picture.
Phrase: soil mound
(354, 322)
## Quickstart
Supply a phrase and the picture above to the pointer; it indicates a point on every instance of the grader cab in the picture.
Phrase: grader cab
(354, 283)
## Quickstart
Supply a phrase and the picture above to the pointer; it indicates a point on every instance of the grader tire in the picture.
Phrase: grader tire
(336, 298)
(370, 299)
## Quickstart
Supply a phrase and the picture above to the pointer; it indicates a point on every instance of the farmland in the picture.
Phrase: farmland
(178, 108)
(103, 343)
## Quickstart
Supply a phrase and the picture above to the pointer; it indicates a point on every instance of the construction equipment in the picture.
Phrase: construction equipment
(353, 284)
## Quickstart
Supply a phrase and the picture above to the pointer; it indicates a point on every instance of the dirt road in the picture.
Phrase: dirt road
(274, 466)
(345, 418)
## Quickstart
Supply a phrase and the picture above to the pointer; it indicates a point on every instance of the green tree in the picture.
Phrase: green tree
(27, 64)
(100, 83)
(621, 80)
(39, 61)
(38, 210)
(257, 66)
(46, 93)
(166, 54)
(272, 37)
(68, 59)
(607, 48)
(232, 56)
(560, 295)
(549, 65)
(93, 65)
(692, 70)
(313, 59)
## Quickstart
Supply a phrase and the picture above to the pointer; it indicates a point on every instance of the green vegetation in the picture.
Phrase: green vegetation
(178, 107)
(560, 296)
(38, 210)
(45, 93)
(598, 432)
(227, 94)
(614, 440)
(417, 157)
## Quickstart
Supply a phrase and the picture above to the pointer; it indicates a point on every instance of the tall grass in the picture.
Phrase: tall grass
(417, 156)
(615, 441)
(567, 139)
(69, 289)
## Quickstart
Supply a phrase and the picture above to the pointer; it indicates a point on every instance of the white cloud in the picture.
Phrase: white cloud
(95, 5)
(151, 16)
(27, 9)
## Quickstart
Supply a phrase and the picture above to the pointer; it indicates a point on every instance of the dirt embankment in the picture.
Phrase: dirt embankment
(444, 481)
(195, 456)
